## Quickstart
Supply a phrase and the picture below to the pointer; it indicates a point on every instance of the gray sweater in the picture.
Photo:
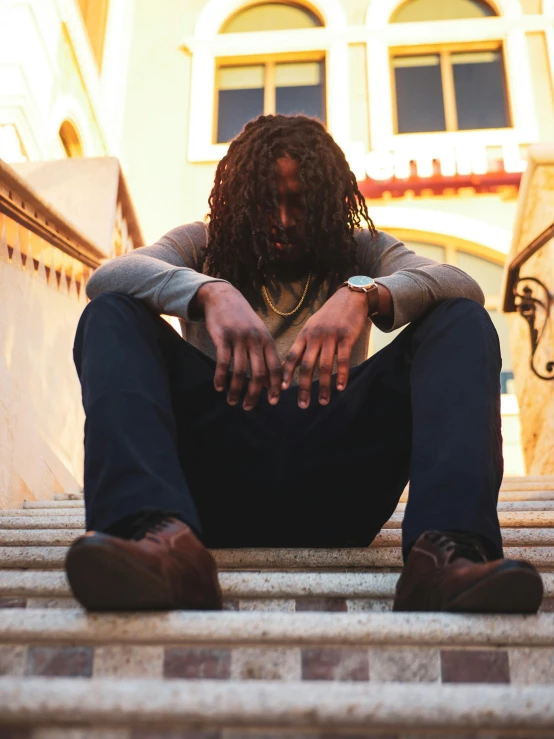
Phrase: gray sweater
(167, 275)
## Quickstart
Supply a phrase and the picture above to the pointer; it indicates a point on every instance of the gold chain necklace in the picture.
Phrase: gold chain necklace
(280, 313)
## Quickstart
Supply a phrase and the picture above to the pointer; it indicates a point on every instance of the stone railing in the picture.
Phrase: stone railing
(528, 291)
(44, 267)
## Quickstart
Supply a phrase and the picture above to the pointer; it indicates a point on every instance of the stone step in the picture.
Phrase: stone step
(215, 709)
(511, 506)
(45, 504)
(370, 558)
(530, 537)
(242, 585)
(508, 519)
(258, 645)
(259, 629)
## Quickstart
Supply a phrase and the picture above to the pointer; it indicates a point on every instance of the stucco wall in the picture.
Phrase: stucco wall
(536, 397)
(41, 417)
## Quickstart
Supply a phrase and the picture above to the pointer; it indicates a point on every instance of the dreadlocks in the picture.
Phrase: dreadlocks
(244, 207)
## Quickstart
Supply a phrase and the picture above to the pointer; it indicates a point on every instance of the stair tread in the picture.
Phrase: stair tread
(264, 628)
(512, 537)
(267, 704)
(508, 519)
(507, 506)
(274, 704)
(39, 557)
(43, 583)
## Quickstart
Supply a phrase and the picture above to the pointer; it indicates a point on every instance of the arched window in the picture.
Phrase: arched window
(453, 87)
(70, 140)
(269, 84)
(487, 273)
(271, 17)
(415, 11)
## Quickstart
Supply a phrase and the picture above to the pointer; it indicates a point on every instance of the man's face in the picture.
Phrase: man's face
(290, 196)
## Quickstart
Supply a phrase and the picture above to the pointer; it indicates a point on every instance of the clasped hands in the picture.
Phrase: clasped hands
(240, 336)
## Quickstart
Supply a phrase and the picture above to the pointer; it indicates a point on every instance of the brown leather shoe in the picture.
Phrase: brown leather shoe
(449, 571)
(166, 569)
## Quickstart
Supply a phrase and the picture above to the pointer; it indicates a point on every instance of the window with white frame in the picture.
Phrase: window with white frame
(456, 87)
(286, 84)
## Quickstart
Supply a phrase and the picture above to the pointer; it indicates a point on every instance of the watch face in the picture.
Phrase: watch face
(361, 281)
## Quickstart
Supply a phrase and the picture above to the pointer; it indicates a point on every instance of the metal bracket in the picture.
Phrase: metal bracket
(526, 306)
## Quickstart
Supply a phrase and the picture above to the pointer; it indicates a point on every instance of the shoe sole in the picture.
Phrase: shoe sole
(103, 578)
(514, 588)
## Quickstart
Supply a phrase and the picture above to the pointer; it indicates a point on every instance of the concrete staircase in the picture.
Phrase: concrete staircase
(307, 645)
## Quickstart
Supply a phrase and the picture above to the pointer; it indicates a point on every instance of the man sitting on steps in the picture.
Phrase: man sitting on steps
(265, 426)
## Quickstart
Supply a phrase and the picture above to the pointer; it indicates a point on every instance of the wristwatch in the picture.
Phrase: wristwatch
(367, 285)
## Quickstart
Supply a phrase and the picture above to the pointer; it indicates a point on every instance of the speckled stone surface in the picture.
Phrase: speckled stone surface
(277, 663)
(508, 519)
(37, 537)
(529, 666)
(274, 590)
(276, 604)
(57, 733)
(40, 513)
(42, 522)
(414, 664)
(513, 537)
(270, 628)
(12, 659)
(319, 705)
(46, 504)
(128, 661)
(371, 558)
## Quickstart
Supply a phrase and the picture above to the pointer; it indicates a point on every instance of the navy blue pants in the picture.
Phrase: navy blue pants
(426, 408)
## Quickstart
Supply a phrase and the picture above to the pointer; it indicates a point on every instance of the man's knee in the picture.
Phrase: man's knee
(112, 301)
(463, 309)
(463, 318)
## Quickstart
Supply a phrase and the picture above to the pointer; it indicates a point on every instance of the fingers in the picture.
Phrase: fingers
(273, 364)
(292, 359)
(222, 368)
(326, 359)
(307, 367)
(240, 363)
(344, 350)
(258, 370)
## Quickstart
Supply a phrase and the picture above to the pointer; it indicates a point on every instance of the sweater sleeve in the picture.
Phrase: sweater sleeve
(166, 275)
(415, 283)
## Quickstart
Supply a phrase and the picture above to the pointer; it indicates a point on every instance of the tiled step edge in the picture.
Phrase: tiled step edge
(511, 519)
(511, 494)
(507, 506)
(263, 628)
(40, 558)
(41, 584)
(531, 537)
(270, 705)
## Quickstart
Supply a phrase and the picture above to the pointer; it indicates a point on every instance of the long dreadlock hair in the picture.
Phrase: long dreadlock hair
(244, 207)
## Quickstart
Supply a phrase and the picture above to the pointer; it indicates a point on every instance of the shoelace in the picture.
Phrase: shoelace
(150, 521)
(464, 545)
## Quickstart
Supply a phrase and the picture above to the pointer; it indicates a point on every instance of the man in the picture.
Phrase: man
(265, 426)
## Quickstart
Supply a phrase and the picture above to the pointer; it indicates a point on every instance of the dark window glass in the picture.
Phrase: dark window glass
(240, 98)
(480, 87)
(299, 88)
(419, 101)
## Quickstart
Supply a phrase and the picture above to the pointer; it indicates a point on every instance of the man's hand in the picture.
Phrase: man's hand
(330, 332)
(239, 334)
